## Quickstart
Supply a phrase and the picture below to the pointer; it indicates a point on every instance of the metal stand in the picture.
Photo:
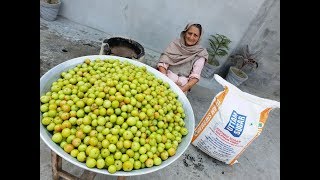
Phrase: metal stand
(58, 172)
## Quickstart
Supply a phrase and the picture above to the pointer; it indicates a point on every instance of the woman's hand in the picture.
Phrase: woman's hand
(183, 88)
(189, 84)
(162, 70)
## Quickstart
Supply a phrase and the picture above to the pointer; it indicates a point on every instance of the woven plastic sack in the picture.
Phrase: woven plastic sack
(233, 120)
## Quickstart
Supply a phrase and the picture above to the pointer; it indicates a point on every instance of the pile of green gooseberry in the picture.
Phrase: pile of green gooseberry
(111, 114)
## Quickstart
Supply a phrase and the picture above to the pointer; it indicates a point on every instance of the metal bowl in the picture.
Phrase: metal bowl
(53, 74)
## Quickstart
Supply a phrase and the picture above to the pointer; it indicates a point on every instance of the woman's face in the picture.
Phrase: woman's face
(192, 36)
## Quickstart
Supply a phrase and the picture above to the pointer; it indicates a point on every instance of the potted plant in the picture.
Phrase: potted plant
(245, 63)
(218, 47)
(49, 9)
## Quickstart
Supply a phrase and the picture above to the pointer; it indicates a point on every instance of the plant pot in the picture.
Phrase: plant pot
(236, 76)
(209, 70)
(48, 11)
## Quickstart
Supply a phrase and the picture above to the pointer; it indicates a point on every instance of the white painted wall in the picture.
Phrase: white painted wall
(154, 23)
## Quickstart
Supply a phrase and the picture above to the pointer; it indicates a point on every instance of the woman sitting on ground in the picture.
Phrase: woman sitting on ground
(184, 58)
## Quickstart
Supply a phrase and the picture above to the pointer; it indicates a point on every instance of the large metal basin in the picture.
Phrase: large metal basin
(53, 74)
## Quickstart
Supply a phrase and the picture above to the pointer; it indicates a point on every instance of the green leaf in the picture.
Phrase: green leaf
(219, 45)
(212, 44)
(225, 45)
(222, 52)
(222, 37)
(217, 39)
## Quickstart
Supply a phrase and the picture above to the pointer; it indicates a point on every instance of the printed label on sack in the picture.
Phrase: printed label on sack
(233, 120)
(236, 124)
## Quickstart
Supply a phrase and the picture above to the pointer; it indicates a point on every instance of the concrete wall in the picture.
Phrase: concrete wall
(264, 33)
(155, 23)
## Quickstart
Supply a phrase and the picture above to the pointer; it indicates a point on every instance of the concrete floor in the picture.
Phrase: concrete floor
(62, 40)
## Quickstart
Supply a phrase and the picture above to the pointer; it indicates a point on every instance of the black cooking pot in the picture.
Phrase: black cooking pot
(123, 47)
